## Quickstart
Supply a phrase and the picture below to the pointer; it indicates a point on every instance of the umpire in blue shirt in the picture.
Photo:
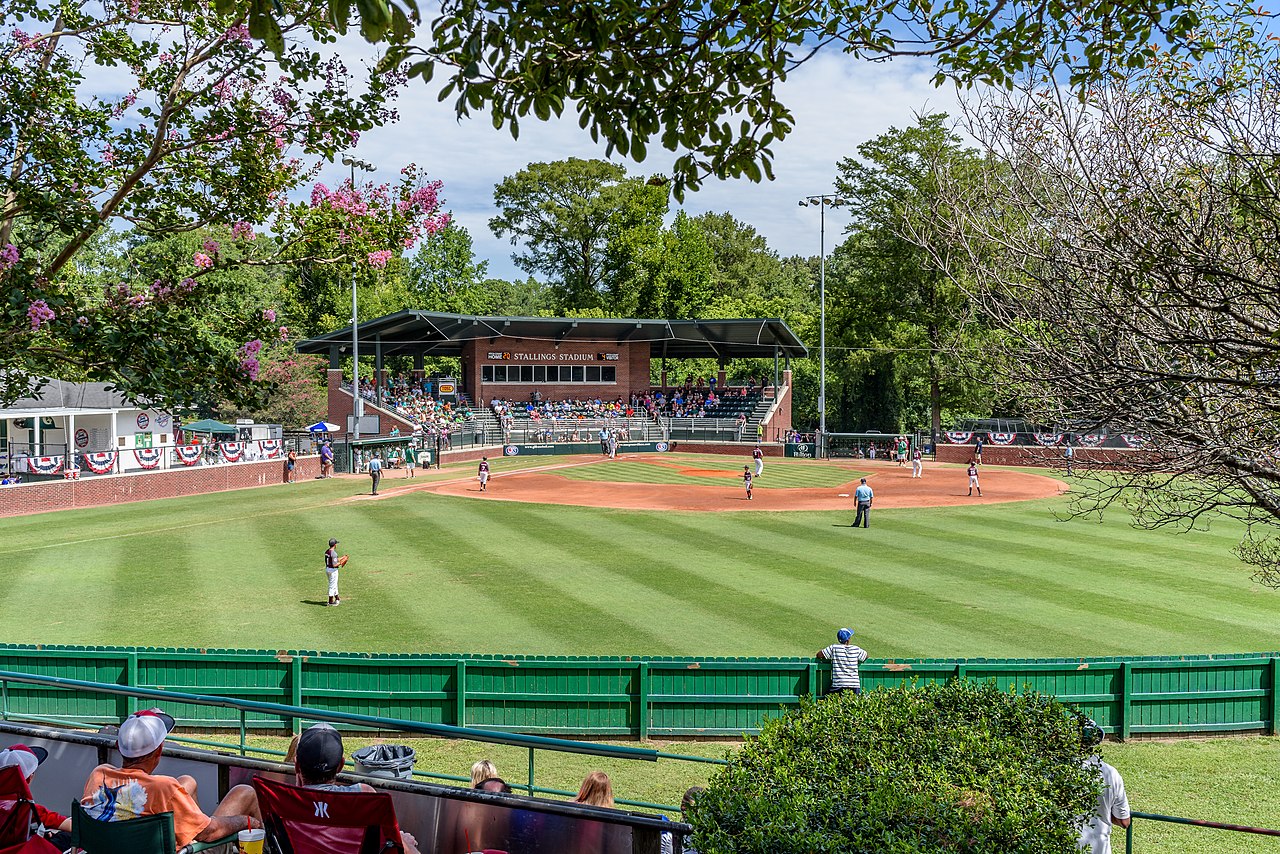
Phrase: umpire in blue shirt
(863, 497)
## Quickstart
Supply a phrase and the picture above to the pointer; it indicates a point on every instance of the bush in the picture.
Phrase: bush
(955, 767)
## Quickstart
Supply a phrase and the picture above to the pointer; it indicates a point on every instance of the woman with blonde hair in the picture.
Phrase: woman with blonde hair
(481, 771)
(596, 791)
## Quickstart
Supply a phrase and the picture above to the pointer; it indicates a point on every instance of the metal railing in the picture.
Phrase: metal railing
(705, 429)
(585, 430)
(1194, 822)
(296, 714)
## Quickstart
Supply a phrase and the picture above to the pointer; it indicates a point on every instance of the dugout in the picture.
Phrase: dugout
(527, 358)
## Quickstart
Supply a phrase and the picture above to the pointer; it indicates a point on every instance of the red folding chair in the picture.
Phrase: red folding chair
(18, 816)
(313, 821)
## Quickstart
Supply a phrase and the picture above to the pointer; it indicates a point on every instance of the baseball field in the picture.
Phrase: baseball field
(581, 556)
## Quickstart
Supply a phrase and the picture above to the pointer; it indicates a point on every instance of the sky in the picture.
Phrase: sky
(837, 102)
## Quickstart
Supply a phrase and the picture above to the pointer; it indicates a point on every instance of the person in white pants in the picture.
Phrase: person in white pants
(917, 463)
(332, 563)
(758, 456)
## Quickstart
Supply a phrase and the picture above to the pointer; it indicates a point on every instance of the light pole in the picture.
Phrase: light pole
(823, 201)
(357, 401)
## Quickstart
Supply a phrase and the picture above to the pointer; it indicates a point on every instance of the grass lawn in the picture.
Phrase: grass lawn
(718, 470)
(439, 574)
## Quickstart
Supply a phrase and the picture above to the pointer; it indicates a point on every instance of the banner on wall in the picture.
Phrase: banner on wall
(271, 448)
(45, 465)
(231, 451)
(101, 462)
(148, 458)
(188, 455)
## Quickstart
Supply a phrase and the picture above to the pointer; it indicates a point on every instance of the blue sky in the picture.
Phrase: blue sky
(838, 103)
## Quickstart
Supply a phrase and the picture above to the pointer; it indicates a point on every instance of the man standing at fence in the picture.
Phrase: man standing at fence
(844, 658)
(863, 496)
(1113, 803)
(375, 471)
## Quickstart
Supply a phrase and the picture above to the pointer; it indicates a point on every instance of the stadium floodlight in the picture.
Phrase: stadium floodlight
(823, 201)
(357, 402)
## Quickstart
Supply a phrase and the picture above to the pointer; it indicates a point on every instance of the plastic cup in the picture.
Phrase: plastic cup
(251, 841)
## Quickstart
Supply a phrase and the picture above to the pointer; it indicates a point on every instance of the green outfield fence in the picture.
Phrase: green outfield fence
(628, 697)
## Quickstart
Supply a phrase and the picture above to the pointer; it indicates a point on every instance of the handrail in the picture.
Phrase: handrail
(371, 721)
(1194, 822)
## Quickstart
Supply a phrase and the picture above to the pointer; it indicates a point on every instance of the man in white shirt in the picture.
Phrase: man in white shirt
(1113, 803)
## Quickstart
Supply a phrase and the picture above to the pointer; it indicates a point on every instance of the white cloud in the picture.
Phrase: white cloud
(837, 102)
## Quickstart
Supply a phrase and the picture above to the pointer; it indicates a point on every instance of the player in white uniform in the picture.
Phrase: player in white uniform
(973, 478)
(483, 474)
(746, 480)
(332, 563)
(758, 456)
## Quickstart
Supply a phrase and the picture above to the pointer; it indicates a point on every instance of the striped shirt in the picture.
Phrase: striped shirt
(844, 658)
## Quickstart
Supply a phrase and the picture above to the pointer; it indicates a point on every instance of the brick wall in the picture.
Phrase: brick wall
(119, 489)
(733, 449)
(632, 370)
(1023, 455)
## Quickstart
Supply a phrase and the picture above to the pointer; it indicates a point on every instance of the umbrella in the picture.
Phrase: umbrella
(323, 427)
(208, 425)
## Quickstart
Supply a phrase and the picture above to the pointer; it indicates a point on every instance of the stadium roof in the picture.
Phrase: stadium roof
(436, 334)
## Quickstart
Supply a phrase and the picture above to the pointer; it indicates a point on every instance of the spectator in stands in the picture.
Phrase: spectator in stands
(596, 790)
(133, 790)
(53, 826)
(481, 771)
(844, 658)
(1113, 803)
(317, 763)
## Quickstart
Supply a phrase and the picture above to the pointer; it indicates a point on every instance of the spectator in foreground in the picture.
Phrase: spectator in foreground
(667, 844)
(596, 791)
(481, 771)
(317, 762)
(53, 826)
(1113, 803)
(496, 785)
(844, 658)
(133, 790)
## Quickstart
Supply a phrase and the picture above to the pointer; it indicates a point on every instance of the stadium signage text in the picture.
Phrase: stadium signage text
(508, 356)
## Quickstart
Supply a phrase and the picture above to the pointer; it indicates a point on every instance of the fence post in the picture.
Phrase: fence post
(643, 704)
(1126, 690)
(1274, 728)
(295, 690)
(1128, 838)
(813, 679)
(531, 772)
(131, 681)
(460, 696)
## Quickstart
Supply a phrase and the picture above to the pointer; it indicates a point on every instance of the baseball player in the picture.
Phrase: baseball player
(758, 456)
(333, 563)
(747, 477)
(917, 463)
(902, 451)
(483, 474)
(973, 478)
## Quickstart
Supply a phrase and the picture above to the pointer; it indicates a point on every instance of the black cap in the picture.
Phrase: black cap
(332, 542)
(319, 752)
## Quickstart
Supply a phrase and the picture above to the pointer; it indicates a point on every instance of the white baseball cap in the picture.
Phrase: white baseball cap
(142, 732)
(26, 758)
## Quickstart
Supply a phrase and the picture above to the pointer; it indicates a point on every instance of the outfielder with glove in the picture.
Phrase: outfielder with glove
(333, 563)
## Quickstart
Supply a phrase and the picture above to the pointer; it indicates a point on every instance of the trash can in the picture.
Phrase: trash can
(385, 760)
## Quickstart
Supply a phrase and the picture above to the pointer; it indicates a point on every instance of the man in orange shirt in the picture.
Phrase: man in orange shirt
(133, 791)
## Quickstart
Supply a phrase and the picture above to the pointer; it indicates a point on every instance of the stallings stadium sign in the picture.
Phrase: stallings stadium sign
(509, 356)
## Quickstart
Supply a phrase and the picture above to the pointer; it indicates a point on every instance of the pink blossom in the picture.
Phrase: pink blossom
(380, 258)
(165, 57)
(250, 367)
(135, 6)
(270, 315)
(8, 256)
(243, 231)
(187, 285)
(353, 137)
(39, 313)
(279, 142)
(108, 155)
(239, 33)
(212, 246)
(82, 321)
(251, 348)
(284, 333)
(202, 260)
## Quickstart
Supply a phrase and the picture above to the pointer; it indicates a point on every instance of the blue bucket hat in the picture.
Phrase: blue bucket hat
(843, 635)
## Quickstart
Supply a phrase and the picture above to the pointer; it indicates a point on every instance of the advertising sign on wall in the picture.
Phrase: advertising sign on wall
(805, 450)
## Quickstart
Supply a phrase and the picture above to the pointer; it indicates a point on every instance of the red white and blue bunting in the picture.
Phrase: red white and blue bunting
(1132, 441)
(1092, 440)
(1002, 438)
(270, 448)
(958, 437)
(1048, 440)
(188, 455)
(45, 465)
(149, 458)
(232, 451)
(101, 462)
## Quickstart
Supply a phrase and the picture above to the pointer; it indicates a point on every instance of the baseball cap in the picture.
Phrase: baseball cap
(844, 634)
(1091, 734)
(332, 542)
(26, 758)
(319, 751)
(142, 732)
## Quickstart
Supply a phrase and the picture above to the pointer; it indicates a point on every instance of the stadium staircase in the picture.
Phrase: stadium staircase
(488, 424)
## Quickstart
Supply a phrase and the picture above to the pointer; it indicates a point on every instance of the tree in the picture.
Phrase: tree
(208, 132)
(1128, 249)
(951, 767)
(445, 264)
(701, 79)
(575, 218)
(898, 308)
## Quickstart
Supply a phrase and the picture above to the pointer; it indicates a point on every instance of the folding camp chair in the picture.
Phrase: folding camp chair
(18, 816)
(315, 821)
(150, 834)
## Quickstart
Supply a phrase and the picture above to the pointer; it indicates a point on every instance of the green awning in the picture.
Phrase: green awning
(208, 425)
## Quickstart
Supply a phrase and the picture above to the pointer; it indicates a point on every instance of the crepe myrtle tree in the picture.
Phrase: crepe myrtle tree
(208, 129)
(1125, 242)
(702, 79)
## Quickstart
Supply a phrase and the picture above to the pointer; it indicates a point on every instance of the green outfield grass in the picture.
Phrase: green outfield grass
(440, 574)
(701, 470)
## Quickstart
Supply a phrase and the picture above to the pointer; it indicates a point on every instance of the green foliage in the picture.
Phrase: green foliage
(954, 767)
